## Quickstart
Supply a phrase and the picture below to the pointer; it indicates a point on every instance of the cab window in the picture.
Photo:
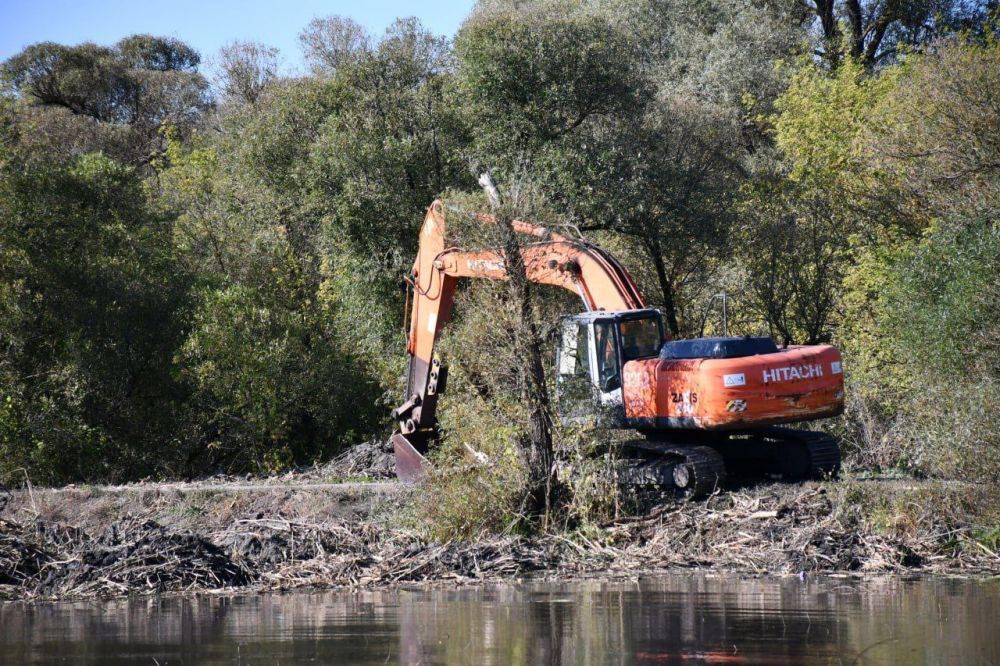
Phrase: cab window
(641, 338)
(607, 356)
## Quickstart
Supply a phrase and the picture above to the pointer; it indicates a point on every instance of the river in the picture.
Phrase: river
(683, 618)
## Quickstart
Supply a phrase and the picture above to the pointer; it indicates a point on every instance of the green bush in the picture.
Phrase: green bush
(273, 385)
(479, 481)
(91, 310)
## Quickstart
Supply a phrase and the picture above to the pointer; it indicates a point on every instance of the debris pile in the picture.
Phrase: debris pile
(132, 556)
(786, 529)
(136, 556)
(768, 529)
(20, 561)
(143, 556)
(368, 460)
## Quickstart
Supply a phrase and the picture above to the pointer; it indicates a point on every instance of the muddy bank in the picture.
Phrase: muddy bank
(307, 530)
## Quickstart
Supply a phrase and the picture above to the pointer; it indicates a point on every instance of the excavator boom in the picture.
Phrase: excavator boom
(600, 281)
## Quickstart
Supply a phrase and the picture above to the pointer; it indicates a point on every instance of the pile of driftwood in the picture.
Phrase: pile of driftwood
(51, 560)
(368, 556)
(789, 529)
(786, 529)
(134, 556)
(752, 531)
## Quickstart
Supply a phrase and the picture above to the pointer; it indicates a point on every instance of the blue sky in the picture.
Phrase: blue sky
(208, 24)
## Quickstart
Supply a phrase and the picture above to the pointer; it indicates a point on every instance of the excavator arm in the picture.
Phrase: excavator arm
(600, 281)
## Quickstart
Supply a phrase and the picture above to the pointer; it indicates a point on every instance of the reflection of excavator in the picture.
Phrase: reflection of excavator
(697, 402)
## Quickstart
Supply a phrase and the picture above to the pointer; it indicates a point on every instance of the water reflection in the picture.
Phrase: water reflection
(681, 618)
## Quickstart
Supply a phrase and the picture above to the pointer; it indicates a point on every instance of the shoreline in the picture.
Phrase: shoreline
(308, 531)
(609, 576)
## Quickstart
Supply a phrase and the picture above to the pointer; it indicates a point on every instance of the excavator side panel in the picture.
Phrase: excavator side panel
(794, 384)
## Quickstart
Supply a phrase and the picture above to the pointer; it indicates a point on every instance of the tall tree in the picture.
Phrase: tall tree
(655, 156)
(91, 311)
(531, 79)
(246, 69)
(332, 42)
(872, 31)
(115, 99)
(536, 447)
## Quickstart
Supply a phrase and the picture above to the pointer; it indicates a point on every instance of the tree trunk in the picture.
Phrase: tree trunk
(536, 447)
(666, 286)
(831, 31)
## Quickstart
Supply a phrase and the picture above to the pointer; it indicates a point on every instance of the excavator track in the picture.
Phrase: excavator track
(808, 454)
(795, 455)
(698, 470)
(654, 472)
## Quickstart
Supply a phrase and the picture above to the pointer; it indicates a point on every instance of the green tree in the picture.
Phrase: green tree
(274, 384)
(800, 223)
(91, 311)
(397, 140)
(875, 32)
(299, 217)
(658, 162)
(904, 162)
(113, 99)
(245, 70)
(531, 78)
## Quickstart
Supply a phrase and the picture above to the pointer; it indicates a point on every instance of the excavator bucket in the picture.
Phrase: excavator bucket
(411, 465)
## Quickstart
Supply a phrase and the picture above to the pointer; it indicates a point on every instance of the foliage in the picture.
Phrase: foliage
(933, 358)
(91, 308)
(246, 69)
(936, 133)
(330, 42)
(195, 280)
(803, 221)
(270, 379)
(920, 322)
(298, 219)
(114, 99)
(482, 492)
(820, 117)
(263, 355)
(530, 79)
(794, 248)
(393, 146)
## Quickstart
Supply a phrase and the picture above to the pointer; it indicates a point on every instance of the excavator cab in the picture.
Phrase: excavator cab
(593, 349)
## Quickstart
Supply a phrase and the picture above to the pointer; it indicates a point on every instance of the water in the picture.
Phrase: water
(680, 618)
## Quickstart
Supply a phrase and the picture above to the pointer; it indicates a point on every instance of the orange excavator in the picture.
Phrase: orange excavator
(700, 405)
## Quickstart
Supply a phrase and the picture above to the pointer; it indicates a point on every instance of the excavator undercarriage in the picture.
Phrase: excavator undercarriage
(686, 467)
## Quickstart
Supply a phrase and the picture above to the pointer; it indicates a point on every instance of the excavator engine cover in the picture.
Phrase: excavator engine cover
(717, 348)
(731, 393)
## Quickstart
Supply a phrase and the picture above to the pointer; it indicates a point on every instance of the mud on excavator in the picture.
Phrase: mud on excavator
(699, 405)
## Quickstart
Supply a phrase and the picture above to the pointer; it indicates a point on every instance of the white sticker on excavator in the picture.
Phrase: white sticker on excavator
(431, 322)
(738, 379)
(836, 368)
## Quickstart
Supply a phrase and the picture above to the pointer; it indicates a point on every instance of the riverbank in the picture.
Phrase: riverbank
(313, 529)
